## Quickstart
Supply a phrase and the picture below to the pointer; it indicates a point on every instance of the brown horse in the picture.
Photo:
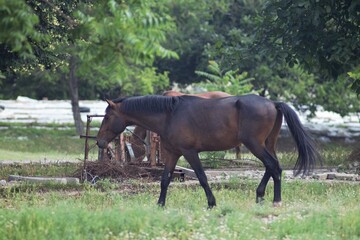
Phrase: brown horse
(190, 125)
(139, 133)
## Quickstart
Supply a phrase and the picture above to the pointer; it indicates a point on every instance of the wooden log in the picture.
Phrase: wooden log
(63, 180)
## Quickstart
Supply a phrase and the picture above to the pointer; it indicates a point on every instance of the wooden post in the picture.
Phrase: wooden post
(147, 145)
(117, 149)
(160, 155)
(153, 148)
(86, 154)
(122, 148)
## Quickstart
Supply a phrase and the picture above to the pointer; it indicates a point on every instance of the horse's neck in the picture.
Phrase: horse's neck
(152, 122)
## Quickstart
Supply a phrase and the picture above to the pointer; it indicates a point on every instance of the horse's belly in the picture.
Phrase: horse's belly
(205, 130)
(214, 143)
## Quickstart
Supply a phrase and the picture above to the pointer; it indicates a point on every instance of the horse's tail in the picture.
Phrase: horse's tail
(308, 155)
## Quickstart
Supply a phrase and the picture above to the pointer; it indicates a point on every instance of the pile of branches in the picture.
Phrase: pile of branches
(112, 169)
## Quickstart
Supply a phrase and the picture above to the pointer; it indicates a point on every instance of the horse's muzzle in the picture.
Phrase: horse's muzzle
(101, 143)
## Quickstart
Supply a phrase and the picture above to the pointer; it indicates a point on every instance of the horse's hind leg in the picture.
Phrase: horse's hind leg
(193, 158)
(270, 146)
(272, 170)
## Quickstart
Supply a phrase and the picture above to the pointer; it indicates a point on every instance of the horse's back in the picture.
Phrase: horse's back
(221, 123)
(250, 104)
(254, 104)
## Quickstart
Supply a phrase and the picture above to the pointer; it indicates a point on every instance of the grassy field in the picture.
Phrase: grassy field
(311, 210)
(128, 210)
(39, 143)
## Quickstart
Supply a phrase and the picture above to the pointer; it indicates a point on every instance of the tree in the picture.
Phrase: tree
(194, 22)
(323, 37)
(122, 43)
(17, 24)
(98, 44)
(17, 34)
(248, 38)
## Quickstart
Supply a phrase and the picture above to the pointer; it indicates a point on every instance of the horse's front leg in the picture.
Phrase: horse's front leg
(193, 158)
(170, 160)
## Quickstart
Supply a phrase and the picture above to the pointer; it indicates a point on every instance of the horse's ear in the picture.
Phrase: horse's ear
(111, 103)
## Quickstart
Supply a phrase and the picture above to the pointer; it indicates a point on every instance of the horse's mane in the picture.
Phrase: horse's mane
(151, 103)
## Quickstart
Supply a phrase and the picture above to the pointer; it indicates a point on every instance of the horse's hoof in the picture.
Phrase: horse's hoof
(277, 204)
(161, 204)
(260, 200)
(211, 206)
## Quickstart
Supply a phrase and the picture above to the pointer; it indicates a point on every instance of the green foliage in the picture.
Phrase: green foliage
(43, 75)
(355, 76)
(229, 81)
(308, 91)
(17, 34)
(121, 44)
(318, 44)
(113, 43)
(17, 24)
(326, 40)
(195, 28)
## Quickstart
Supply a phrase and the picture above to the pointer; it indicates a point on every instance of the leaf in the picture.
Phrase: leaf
(214, 68)
(208, 76)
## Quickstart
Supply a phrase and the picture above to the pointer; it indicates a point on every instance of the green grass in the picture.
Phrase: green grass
(13, 155)
(311, 210)
(57, 143)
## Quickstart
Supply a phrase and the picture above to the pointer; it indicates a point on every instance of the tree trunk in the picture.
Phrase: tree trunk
(74, 94)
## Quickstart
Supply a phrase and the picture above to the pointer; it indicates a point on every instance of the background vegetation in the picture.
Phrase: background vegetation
(301, 51)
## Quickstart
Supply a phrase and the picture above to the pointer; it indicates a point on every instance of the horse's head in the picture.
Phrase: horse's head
(112, 125)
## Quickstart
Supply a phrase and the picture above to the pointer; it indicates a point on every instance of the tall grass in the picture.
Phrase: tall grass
(311, 210)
